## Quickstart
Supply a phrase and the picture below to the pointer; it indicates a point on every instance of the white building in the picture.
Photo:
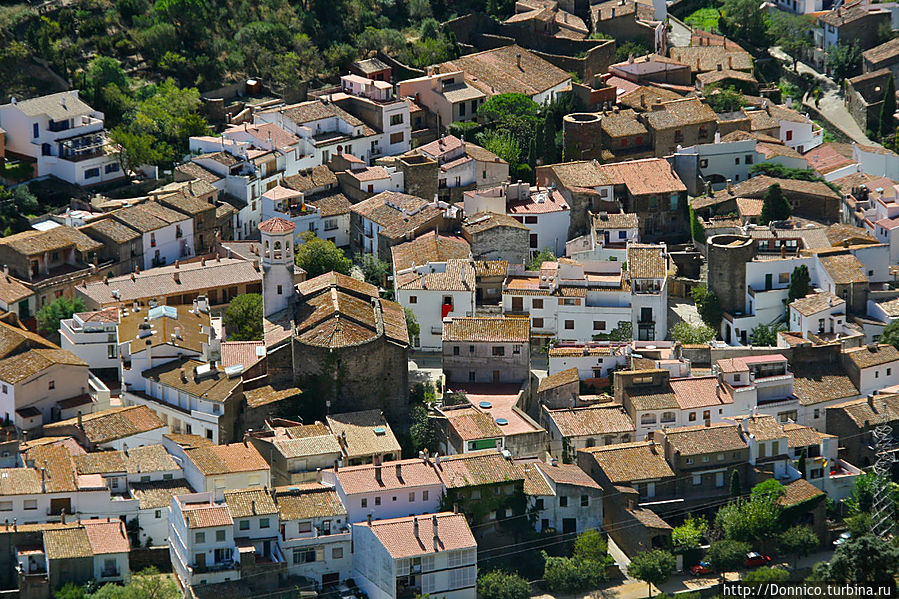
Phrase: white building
(153, 507)
(822, 315)
(373, 102)
(315, 533)
(63, 135)
(434, 554)
(608, 238)
(593, 360)
(201, 540)
(93, 337)
(218, 468)
(166, 235)
(544, 211)
(578, 302)
(277, 264)
(390, 490)
(576, 502)
(877, 366)
(797, 131)
(256, 523)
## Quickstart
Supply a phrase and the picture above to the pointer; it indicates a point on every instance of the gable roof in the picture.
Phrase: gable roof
(430, 247)
(363, 433)
(398, 213)
(487, 329)
(593, 420)
(631, 462)
(567, 474)
(60, 106)
(816, 302)
(212, 460)
(497, 71)
(701, 439)
(476, 468)
(158, 493)
(815, 382)
(646, 262)
(398, 536)
(112, 424)
(313, 500)
(553, 381)
(243, 503)
(872, 355)
(413, 473)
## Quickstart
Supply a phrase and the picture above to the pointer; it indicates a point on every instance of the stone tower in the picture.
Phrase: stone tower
(277, 264)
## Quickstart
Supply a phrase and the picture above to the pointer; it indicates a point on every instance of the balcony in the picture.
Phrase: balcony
(114, 573)
(224, 566)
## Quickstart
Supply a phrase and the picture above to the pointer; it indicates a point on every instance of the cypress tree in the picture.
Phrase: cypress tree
(887, 127)
(550, 156)
(735, 487)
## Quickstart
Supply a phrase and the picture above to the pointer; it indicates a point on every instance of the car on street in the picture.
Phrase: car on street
(700, 569)
(755, 559)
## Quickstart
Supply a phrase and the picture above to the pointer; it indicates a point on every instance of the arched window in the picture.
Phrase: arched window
(648, 419)
(668, 417)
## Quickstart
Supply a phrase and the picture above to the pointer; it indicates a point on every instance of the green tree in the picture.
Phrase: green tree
(708, 306)
(800, 283)
(243, 318)
(727, 555)
(697, 229)
(844, 61)
(545, 255)
(502, 106)
(419, 9)
(775, 205)
(317, 256)
(573, 575)
(429, 29)
(70, 590)
(497, 584)
(887, 126)
(890, 334)
(136, 149)
(374, 270)
(771, 488)
(61, 308)
(421, 428)
(861, 499)
(766, 574)
(688, 536)
(865, 559)
(765, 335)
(750, 520)
(744, 21)
(725, 99)
(550, 150)
(652, 567)
(591, 545)
(692, 334)
(793, 33)
(799, 541)
(412, 326)
(631, 48)
(503, 144)
(736, 488)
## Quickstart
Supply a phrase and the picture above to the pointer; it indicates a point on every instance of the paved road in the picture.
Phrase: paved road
(831, 105)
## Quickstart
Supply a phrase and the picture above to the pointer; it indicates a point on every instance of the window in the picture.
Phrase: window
(533, 241)
(364, 502)
(537, 323)
(783, 278)
(91, 173)
(737, 160)
(530, 220)
(538, 504)
(585, 500)
(668, 417)
(697, 480)
(279, 290)
(569, 325)
(303, 556)
(378, 500)
(244, 525)
(396, 119)
(114, 483)
(145, 478)
(599, 325)
(158, 514)
(720, 457)
(264, 523)
(648, 419)
(167, 477)
(737, 377)
(789, 135)
(412, 497)
(704, 163)
(30, 504)
(304, 527)
(397, 138)
(112, 168)
(200, 537)
(537, 304)
(220, 536)
(35, 130)
(689, 461)
(675, 202)
(455, 350)
(471, 376)
(51, 385)
(889, 371)
(337, 553)
(499, 350)
(424, 495)
(461, 108)
(748, 159)
(111, 352)
(817, 413)
(706, 414)
(816, 473)
(563, 501)
(705, 459)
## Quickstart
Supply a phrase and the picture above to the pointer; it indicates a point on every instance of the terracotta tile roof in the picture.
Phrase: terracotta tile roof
(182, 375)
(245, 353)
(469, 424)
(458, 275)
(277, 225)
(67, 543)
(756, 187)
(430, 247)
(150, 458)
(593, 420)
(581, 174)
(760, 120)
(477, 468)
(29, 243)
(397, 535)
(617, 9)
(243, 503)
(881, 409)
(535, 483)
(363, 479)
(799, 491)
(701, 439)
(709, 57)
(652, 398)
(771, 150)
(829, 157)
(483, 221)
(816, 383)
(267, 133)
(491, 268)
(563, 377)
(724, 74)
(802, 436)
(213, 460)
(113, 424)
(749, 207)
(60, 467)
(193, 277)
(643, 177)
(649, 518)
(844, 269)
(106, 315)
(27, 364)
(19, 481)
(646, 262)
(184, 331)
(837, 233)
(316, 110)
(267, 394)
(158, 494)
(363, 433)
(196, 171)
(699, 392)
(620, 220)
(865, 357)
(763, 426)
(884, 53)
(303, 502)
(398, 213)
(496, 71)
(817, 302)
(188, 440)
(631, 462)
(844, 15)
(680, 113)
(310, 179)
(482, 154)
(623, 123)
(330, 204)
(147, 217)
(206, 515)
(487, 329)
(568, 474)
(106, 536)
(13, 338)
(101, 462)
(111, 229)
(320, 442)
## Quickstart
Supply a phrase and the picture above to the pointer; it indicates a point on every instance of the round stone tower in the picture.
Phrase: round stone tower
(727, 258)
(582, 135)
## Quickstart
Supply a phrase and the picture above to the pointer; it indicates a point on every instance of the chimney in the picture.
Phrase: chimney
(730, 61)
(399, 472)
(378, 475)
(783, 251)
(177, 276)
(44, 473)
(518, 60)
(643, 100)
(369, 519)
(613, 16)
(79, 421)
(415, 526)
(730, 186)
(436, 536)
(62, 515)
(336, 465)
(253, 507)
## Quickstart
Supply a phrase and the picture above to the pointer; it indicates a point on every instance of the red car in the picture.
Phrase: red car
(700, 569)
(753, 560)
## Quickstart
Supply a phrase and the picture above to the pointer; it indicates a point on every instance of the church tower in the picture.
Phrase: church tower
(277, 264)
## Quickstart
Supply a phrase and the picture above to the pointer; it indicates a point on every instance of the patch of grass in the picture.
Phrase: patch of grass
(16, 170)
(704, 18)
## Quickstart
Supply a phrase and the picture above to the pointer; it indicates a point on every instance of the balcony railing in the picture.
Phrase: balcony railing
(216, 567)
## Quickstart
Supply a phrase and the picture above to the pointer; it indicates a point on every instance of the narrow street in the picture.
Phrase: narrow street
(831, 105)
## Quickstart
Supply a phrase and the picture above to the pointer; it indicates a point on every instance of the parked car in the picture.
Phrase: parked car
(844, 537)
(700, 569)
(755, 559)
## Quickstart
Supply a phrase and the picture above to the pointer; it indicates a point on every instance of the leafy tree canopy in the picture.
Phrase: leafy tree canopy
(503, 106)
(687, 333)
(652, 567)
(497, 584)
(546, 255)
(243, 318)
(844, 61)
(775, 205)
(727, 555)
(317, 256)
(61, 308)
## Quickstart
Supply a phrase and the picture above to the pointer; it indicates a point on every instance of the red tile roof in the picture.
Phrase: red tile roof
(277, 225)
(398, 535)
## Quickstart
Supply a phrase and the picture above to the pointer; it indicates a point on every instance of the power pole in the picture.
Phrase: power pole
(882, 509)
